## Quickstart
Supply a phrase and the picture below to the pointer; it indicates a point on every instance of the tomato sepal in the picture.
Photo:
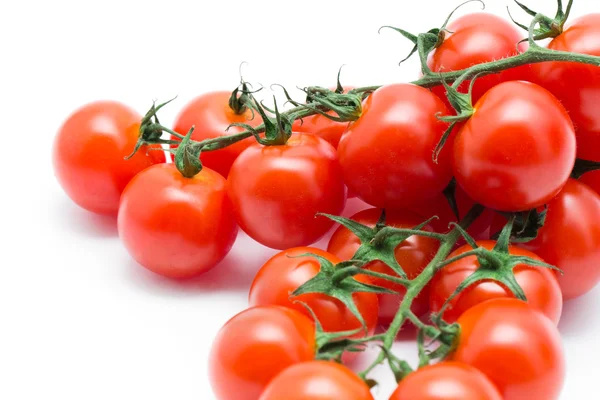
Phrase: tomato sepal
(549, 27)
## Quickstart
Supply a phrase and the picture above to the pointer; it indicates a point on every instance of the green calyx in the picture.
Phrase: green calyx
(526, 225)
(239, 99)
(548, 27)
(187, 157)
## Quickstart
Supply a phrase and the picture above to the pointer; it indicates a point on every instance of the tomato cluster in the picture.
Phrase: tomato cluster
(493, 304)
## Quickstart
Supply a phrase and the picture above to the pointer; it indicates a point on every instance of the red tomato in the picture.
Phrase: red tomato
(413, 255)
(517, 150)
(386, 155)
(210, 114)
(317, 380)
(277, 190)
(539, 284)
(175, 226)
(440, 207)
(474, 39)
(570, 238)
(285, 272)
(89, 152)
(592, 179)
(254, 347)
(577, 86)
(516, 346)
(321, 126)
(446, 381)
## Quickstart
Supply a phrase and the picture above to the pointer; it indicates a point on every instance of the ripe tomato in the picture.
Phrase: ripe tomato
(317, 380)
(175, 226)
(277, 190)
(319, 125)
(570, 238)
(516, 346)
(254, 347)
(474, 39)
(517, 150)
(210, 114)
(577, 86)
(592, 179)
(413, 255)
(89, 155)
(386, 155)
(539, 284)
(446, 381)
(285, 272)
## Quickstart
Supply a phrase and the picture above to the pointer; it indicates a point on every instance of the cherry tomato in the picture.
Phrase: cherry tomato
(439, 207)
(89, 155)
(210, 115)
(413, 255)
(321, 126)
(285, 272)
(577, 86)
(277, 190)
(254, 347)
(317, 380)
(517, 150)
(570, 238)
(539, 284)
(175, 226)
(386, 155)
(474, 39)
(446, 381)
(592, 179)
(516, 346)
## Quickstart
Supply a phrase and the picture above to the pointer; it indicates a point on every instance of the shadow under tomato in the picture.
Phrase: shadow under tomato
(83, 222)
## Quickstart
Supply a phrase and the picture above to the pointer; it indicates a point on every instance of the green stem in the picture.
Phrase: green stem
(390, 278)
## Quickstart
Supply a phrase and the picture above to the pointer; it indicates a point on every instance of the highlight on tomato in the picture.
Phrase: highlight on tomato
(285, 272)
(540, 285)
(447, 380)
(517, 150)
(413, 254)
(175, 226)
(317, 380)
(517, 347)
(254, 347)
(89, 155)
(386, 155)
(277, 190)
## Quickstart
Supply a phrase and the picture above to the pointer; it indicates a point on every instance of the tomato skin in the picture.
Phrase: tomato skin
(517, 150)
(446, 381)
(413, 255)
(516, 346)
(175, 226)
(577, 86)
(210, 115)
(539, 284)
(474, 39)
(372, 146)
(277, 190)
(317, 380)
(319, 125)
(570, 238)
(254, 347)
(89, 151)
(592, 179)
(285, 272)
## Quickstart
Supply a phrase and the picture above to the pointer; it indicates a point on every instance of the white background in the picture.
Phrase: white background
(79, 319)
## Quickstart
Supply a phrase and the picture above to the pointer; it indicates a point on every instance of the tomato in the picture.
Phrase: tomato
(321, 126)
(211, 115)
(254, 347)
(175, 226)
(592, 179)
(517, 150)
(570, 238)
(439, 207)
(446, 381)
(474, 39)
(277, 190)
(89, 152)
(317, 380)
(516, 346)
(386, 155)
(577, 86)
(285, 272)
(413, 255)
(539, 284)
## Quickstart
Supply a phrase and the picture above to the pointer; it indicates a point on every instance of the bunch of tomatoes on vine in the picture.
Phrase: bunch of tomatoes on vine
(483, 178)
